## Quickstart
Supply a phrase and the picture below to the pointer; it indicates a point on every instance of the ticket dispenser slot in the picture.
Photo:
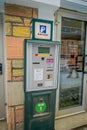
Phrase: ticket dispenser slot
(40, 83)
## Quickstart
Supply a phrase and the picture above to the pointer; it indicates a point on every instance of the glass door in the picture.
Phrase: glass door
(71, 63)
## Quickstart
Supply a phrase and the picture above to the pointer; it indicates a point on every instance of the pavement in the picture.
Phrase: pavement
(82, 129)
(3, 125)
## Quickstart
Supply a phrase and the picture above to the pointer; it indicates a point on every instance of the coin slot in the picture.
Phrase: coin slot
(49, 76)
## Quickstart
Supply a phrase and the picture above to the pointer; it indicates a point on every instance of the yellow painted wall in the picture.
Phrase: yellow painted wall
(17, 27)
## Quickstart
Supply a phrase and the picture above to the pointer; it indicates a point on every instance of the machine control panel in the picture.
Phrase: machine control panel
(41, 67)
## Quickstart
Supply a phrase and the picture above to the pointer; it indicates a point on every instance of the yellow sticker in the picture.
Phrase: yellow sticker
(44, 55)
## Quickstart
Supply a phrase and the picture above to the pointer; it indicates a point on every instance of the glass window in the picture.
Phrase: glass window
(71, 63)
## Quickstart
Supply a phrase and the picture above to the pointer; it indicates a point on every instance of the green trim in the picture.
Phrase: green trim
(42, 42)
(40, 20)
(24, 66)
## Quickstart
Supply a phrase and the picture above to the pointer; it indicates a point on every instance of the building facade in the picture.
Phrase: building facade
(70, 28)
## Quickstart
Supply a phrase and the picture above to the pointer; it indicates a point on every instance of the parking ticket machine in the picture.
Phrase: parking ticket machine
(40, 83)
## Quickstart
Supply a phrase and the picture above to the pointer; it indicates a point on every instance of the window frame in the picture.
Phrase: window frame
(77, 16)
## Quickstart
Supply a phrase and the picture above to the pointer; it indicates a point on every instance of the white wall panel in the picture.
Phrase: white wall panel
(82, 2)
(2, 5)
(76, 5)
(50, 2)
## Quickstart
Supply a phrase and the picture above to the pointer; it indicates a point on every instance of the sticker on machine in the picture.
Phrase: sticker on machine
(48, 83)
(38, 74)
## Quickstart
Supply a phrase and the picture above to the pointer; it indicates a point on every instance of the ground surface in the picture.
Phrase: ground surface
(3, 125)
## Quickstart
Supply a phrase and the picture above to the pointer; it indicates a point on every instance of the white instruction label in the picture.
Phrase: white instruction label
(38, 74)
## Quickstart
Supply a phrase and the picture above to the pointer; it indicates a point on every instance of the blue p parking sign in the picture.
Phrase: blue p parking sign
(43, 29)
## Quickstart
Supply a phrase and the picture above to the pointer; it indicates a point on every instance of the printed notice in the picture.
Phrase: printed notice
(38, 74)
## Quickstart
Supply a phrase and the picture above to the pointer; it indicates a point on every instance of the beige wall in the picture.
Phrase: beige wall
(17, 27)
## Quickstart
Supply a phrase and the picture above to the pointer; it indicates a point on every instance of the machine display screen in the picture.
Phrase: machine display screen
(44, 50)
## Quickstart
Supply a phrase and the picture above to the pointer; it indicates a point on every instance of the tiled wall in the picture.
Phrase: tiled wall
(17, 25)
